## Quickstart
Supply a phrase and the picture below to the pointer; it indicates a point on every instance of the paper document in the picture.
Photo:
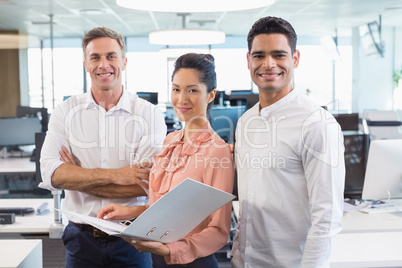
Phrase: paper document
(170, 218)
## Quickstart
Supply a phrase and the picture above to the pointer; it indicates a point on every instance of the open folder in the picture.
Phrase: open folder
(170, 218)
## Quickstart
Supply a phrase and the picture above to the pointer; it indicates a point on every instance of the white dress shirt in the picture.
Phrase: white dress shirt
(131, 132)
(291, 173)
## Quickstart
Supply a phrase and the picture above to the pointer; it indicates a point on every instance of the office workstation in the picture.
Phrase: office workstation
(385, 228)
(354, 74)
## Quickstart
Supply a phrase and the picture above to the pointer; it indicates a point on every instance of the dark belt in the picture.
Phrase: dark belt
(93, 230)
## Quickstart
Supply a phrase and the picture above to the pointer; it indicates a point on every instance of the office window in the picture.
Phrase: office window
(35, 77)
(68, 75)
(146, 72)
(68, 72)
(314, 76)
(398, 98)
(344, 78)
(151, 72)
(231, 69)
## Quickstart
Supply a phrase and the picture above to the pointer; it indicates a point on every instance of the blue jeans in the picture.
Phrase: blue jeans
(85, 250)
(205, 262)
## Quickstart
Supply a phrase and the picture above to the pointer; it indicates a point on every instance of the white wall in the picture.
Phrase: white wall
(397, 47)
(372, 77)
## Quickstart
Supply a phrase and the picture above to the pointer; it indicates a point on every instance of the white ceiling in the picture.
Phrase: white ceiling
(309, 17)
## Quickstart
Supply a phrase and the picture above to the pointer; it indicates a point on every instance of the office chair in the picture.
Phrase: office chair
(57, 227)
(383, 125)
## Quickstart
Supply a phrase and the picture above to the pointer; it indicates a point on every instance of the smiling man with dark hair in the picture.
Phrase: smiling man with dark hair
(289, 159)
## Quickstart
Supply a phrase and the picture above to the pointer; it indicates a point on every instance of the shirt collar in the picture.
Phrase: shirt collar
(123, 104)
(266, 111)
(89, 100)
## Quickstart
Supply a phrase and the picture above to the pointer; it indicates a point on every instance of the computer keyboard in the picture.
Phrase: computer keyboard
(381, 209)
(17, 210)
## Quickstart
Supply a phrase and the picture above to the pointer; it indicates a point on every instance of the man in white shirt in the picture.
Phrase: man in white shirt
(107, 132)
(290, 163)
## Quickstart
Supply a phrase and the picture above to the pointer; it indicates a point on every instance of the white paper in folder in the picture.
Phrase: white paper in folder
(170, 218)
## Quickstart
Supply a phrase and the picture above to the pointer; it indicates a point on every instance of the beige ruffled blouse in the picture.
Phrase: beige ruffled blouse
(206, 158)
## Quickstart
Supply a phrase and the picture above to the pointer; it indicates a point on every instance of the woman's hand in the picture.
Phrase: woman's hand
(150, 246)
(119, 212)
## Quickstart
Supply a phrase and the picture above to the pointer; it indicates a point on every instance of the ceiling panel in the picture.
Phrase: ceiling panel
(309, 17)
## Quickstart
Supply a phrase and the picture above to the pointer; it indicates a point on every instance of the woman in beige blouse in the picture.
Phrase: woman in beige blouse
(195, 152)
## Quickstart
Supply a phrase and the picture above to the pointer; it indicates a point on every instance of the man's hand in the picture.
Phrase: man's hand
(122, 182)
(134, 174)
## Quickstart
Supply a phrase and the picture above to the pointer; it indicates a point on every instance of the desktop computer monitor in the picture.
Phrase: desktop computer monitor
(243, 97)
(41, 113)
(152, 97)
(383, 178)
(224, 120)
(17, 131)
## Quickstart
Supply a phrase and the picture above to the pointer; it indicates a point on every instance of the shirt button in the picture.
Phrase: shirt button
(248, 244)
(249, 221)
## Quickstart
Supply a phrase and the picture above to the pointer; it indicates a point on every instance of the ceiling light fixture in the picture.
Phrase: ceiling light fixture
(193, 6)
(186, 37)
(92, 11)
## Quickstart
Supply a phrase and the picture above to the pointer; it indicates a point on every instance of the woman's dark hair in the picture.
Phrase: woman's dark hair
(203, 63)
(271, 25)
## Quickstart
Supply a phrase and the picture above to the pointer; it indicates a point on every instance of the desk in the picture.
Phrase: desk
(369, 240)
(381, 249)
(17, 165)
(366, 240)
(18, 178)
(21, 253)
(359, 222)
(31, 223)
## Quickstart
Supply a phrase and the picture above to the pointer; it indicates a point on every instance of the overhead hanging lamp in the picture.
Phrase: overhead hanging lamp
(193, 6)
(185, 36)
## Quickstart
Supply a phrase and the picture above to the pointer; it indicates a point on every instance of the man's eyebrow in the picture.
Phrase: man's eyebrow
(108, 53)
(257, 52)
(278, 51)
